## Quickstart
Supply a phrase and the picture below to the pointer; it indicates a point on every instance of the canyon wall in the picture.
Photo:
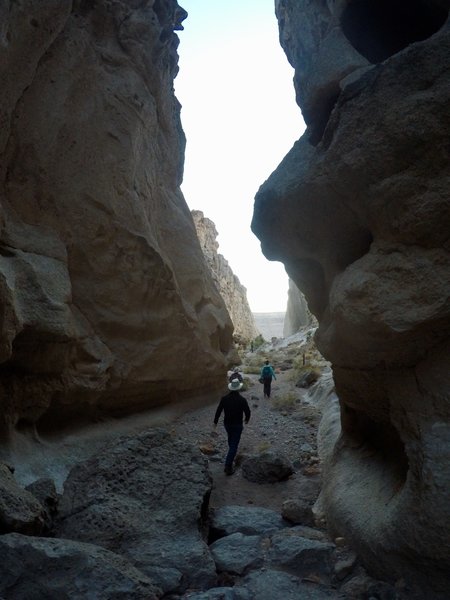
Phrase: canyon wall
(107, 303)
(297, 311)
(359, 213)
(232, 291)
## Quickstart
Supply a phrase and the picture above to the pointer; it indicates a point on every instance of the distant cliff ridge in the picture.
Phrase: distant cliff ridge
(270, 324)
(232, 291)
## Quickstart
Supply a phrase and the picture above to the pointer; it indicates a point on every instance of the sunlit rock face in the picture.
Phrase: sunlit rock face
(107, 303)
(231, 289)
(359, 213)
(297, 311)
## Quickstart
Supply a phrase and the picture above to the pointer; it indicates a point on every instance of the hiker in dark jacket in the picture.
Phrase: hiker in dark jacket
(235, 407)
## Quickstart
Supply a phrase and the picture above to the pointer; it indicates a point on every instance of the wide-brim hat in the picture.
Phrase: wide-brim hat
(235, 385)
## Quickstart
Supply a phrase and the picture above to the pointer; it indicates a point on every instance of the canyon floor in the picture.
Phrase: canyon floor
(286, 423)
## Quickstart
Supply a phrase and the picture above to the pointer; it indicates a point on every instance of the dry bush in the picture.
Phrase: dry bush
(249, 369)
(287, 402)
(263, 446)
(299, 370)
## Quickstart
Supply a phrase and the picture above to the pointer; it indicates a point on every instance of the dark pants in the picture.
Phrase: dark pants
(267, 386)
(234, 435)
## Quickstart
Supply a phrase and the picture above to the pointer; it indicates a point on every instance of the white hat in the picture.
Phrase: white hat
(235, 385)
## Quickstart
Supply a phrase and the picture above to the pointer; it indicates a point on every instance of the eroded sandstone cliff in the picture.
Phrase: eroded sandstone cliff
(228, 284)
(359, 213)
(297, 311)
(107, 303)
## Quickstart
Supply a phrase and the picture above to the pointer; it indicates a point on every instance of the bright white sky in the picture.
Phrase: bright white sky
(240, 119)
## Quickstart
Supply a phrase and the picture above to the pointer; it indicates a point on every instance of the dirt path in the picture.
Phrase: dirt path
(290, 429)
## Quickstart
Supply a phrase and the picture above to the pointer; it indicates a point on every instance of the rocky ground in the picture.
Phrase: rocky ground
(127, 498)
(284, 426)
(290, 430)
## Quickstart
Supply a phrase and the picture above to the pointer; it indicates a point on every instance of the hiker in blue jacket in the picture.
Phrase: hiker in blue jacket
(267, 373)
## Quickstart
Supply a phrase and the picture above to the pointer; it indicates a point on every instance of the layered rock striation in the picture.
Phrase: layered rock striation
(359, 214)
(228, 284)
(107, 302)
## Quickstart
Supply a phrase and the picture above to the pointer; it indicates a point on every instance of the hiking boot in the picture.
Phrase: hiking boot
(228, 471)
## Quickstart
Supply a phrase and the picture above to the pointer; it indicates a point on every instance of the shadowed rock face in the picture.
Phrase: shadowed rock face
(359, 213)
(106, 299)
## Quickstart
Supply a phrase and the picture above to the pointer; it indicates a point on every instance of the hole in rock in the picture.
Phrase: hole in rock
(379, 440)
(378, 29)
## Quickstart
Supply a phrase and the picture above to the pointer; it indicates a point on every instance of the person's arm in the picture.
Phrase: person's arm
(218, 412)
(273, 373)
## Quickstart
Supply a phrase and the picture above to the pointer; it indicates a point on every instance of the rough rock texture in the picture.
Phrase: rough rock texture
(44, 568)
(19, 510)
(44, 490)
(249, 520)
(143, 498)
(102, 279)
(359, 213)
(269, 466)
(268, 584)
(228, 284)
(297, 311)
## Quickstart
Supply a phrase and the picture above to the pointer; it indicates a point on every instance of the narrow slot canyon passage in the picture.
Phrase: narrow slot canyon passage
(224, 332)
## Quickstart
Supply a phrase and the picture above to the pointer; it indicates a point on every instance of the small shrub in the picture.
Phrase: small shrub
(258, 341)
(286, 402)
(263, 446)
(247, 383)
(305, 371)
(251, 370)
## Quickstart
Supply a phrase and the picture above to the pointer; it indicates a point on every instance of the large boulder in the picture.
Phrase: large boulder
(358, 211)
(44, 490)
(248, 520)
(269, 466)
(268, 584)
(43, 568)
(108, 305)
(20, 511)
(144, 497)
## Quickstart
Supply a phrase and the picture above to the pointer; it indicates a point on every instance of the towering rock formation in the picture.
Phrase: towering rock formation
(107, 303)
(229, 286)
(297, 311)
(359, 213)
